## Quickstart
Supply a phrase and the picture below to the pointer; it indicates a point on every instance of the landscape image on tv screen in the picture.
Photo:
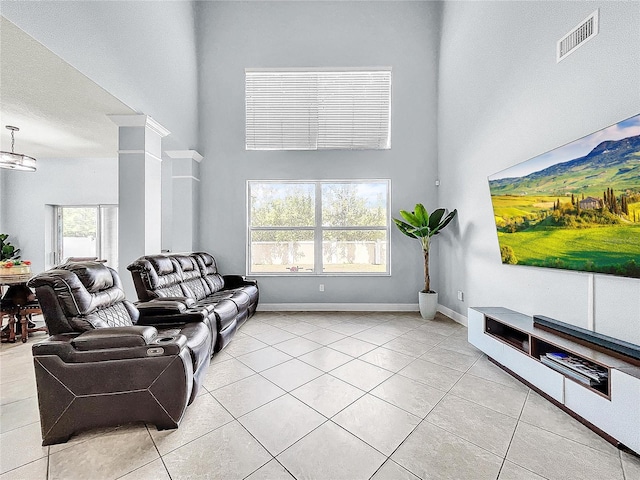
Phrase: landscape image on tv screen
(576, 207)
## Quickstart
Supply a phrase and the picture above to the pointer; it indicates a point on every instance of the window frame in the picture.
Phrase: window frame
(58, 253)
(318, 229)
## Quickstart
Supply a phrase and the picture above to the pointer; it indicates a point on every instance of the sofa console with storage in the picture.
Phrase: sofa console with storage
(594, 378)
(193, 281)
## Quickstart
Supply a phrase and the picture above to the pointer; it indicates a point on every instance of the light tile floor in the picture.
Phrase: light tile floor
(326, 396)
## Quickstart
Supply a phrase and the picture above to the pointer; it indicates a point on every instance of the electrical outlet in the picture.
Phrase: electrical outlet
(322, 287)
(460, 295)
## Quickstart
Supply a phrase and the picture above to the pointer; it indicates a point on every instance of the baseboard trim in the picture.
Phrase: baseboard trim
(356, 307)
(337, 307)
(453, 315)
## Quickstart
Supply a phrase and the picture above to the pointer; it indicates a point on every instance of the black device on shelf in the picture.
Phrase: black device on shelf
(620, 346)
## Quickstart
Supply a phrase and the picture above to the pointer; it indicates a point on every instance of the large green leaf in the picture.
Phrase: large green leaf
(445, 222)
(410, 218)
(405, 228)
(449, 218)
(434, 219)
(421, 214)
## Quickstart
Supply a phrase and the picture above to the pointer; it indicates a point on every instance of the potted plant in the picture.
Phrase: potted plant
(10, 262)
(422, 226)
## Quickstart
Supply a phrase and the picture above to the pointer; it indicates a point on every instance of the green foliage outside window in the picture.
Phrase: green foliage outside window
(350, 213)
(80, 222)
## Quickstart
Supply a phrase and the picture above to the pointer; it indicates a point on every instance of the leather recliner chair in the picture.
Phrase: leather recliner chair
(108, 362)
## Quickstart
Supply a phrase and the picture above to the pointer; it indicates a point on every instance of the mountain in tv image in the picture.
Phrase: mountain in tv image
(576, 207)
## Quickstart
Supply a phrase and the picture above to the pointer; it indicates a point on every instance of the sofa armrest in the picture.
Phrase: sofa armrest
(160, 307)
(114, 337)
(234, 281)
(105, 344)
(186, 301)
(164, 317)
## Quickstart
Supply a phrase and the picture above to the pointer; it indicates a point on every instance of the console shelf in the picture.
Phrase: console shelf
(599, 387)
(542, 343)
(506, 333)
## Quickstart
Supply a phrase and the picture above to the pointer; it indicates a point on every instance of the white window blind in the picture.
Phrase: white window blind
(318, 109)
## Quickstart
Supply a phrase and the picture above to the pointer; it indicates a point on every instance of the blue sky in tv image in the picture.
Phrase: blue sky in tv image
(578, 148)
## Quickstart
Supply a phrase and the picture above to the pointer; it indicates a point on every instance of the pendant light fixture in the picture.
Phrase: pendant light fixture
(16, 161)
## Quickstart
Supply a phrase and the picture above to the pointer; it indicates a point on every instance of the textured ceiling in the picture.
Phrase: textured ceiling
(60, 112)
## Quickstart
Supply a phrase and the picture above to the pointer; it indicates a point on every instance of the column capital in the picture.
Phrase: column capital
(139, 120)
(190, 154)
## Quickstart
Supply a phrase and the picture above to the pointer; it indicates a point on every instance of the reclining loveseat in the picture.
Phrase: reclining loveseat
(108, 362)
(193, 280)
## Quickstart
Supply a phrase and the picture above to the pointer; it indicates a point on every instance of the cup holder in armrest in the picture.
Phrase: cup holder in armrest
(164, 339)
(167, 343)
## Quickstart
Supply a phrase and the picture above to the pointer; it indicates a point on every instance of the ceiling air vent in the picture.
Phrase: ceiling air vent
(578, 36)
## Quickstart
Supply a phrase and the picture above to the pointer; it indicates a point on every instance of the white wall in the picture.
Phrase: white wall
(503, 99)
(26, 195)
(235, 35)
(142, 52)
(2, 201)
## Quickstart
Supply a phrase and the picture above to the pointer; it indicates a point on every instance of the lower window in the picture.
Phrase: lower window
(318, 227)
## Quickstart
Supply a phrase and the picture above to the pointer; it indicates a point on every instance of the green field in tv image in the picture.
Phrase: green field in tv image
(576, 207)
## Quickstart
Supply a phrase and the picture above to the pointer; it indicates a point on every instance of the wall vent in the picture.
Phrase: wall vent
(578, 36)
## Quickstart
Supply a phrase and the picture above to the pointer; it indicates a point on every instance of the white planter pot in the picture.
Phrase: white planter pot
(428, 304)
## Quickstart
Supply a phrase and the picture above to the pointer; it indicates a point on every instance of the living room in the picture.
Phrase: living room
(476, 89)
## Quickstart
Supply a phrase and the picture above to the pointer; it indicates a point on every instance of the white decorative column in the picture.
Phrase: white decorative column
(184, 205)
(139, 191)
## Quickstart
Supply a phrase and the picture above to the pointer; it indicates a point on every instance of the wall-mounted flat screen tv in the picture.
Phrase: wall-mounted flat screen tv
(576, 207)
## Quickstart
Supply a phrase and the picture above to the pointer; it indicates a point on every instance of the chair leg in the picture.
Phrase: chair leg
(31, 326)
(8, 332)
(12, 328)
(24, 319)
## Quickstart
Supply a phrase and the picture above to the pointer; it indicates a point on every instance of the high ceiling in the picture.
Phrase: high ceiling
(60, 112)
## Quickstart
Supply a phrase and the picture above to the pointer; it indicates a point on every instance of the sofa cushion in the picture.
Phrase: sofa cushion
(192, 282)
(226, 312)
(95, 277)
(162, 276)
(117, 315)
(209, 271)
(89, 295)
(162, 265)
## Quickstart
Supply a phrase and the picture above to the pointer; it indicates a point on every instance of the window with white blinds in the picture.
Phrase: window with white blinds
(318, 109)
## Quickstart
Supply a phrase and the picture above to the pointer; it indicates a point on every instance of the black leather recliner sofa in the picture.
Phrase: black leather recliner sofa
(193, 279)
(108, 362)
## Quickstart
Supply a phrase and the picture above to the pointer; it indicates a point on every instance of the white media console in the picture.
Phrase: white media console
(612, 408)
